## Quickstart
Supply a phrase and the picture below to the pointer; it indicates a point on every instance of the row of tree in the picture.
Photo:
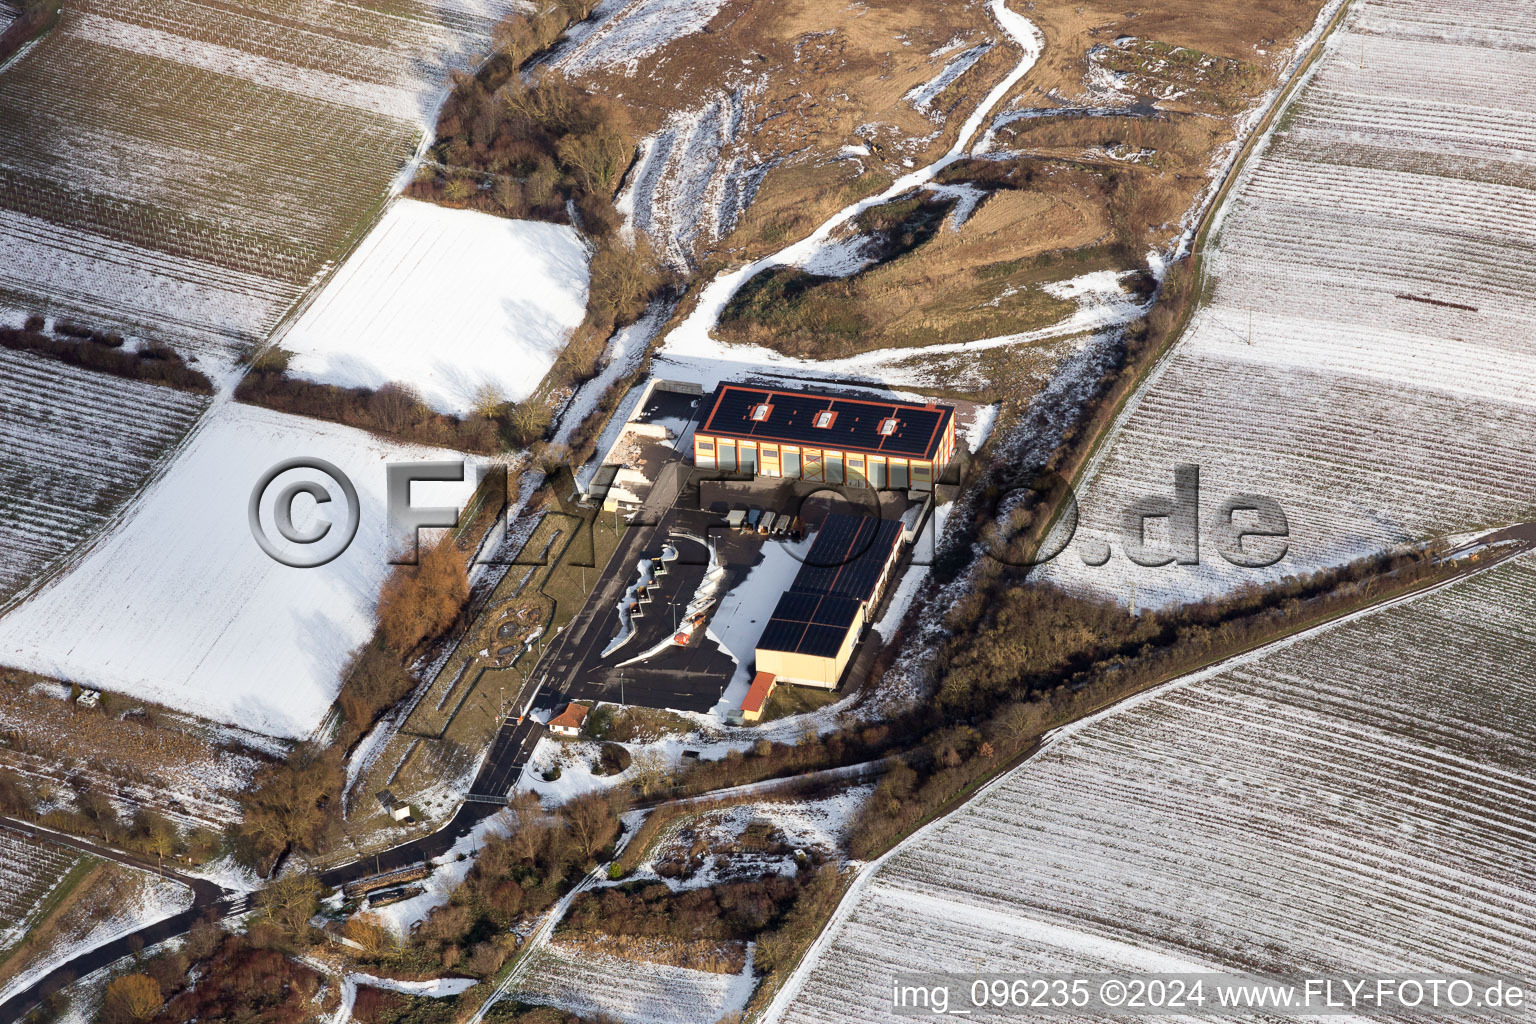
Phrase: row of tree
(154, 362)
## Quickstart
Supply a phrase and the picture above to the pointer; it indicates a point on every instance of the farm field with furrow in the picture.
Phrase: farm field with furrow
(532, 511)
(74, 444)
(1362, 356)
(184, 171)
(1356, 800)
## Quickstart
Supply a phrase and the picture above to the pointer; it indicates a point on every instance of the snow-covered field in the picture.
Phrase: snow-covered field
(179, 605)
(219, 160)
(591, 983)
(218, 156)
(638, 29)
(1363, 359)
(455, 303)
(1356, 801)
(28, 872)
(73, 445)
(803, 825)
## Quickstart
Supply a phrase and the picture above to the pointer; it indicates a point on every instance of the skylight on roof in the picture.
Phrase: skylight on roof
(888, 425)
(760, 411)
(825, 418)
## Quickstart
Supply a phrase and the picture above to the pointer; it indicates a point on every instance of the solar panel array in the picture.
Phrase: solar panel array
(840, 573)
(847, 556)
(791, 419)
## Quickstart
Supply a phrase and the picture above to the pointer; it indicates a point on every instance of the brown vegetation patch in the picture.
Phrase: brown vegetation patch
(812, 78)
(154, 362)
(697, 954)
(1071, 29)
(955, 285)
(124, 747)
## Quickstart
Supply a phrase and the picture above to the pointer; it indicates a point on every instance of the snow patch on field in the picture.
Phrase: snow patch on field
(632, 991)
(158, 293)
(451, 302)
(642, 28)
(179, 605)
(1162, 834)
(625, 350)
(391, 101)
(803, 825)
(1362, 360)
(922, 96)
(434, 988)
(694, 177)
(138, 899)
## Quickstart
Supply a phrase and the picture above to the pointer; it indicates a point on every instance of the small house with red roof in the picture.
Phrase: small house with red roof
(568, 722)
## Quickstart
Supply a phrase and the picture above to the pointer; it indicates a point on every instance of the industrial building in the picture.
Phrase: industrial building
(817, 623)
(808, 436)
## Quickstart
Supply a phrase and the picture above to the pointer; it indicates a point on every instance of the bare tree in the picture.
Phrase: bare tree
(595, 158)
(132, 997)
(289, 903)
(392, 406)
(592, 822)
(528, 835)
(488, 401)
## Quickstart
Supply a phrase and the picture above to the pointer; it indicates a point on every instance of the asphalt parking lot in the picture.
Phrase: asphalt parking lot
(684, 678)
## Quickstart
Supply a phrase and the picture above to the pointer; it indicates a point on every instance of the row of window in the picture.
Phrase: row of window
(813, 464)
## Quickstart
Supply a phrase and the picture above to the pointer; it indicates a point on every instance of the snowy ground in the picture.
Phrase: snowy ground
(127, 901)
(436, 988)
(179, 605)
(1277, 815)
(454, 303)
(638, 29)
(627, 990)
(233, 216)
(28, 872)
(73, 445)
(804, 825)
(1362, 360)
(691, 338)
(694, 177)
(448, 871)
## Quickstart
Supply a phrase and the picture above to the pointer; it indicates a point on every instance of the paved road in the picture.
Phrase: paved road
(566, 651)
(509, 753)
(207, 897)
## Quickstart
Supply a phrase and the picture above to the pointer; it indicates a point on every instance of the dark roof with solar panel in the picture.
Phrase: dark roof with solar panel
(840, 572)
(903, 429)
(847, 555)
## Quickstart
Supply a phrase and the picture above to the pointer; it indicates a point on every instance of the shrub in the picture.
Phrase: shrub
(392, 410)
(155, 363)
(420, 602)
(288, 803)
(133, 997)
(373, 682)
(613, 759)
